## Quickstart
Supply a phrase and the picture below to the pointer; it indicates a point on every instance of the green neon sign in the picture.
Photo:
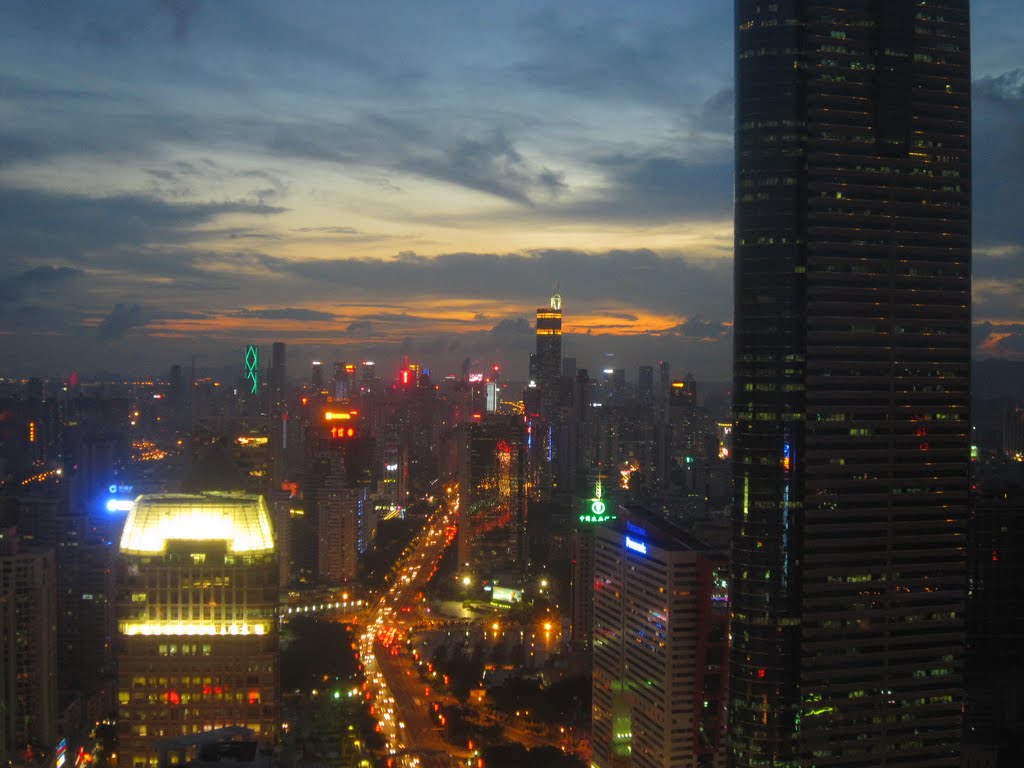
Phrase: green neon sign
(596, 512)
(252, 362)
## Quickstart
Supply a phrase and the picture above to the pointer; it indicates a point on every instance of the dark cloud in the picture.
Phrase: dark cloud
(1007, 87)
(698, 328)
(665, 283)
(359, 328)
(716, 113)
(37, 279)
(183, 14)
(287, 313)
(489, 164)
(329, 230)
(34, 223)
(620, 55)
(628, 316)
(512, 326)
(122, 319)
(998, 116)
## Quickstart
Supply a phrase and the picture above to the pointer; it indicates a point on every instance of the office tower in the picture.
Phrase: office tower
(645, 383)
(278, 414)
(660, 646)
(618, 385)
(367, 375)
(277, 373)
(594, 511)
(568, 367)
(994, 711)
(852, 348)
(340, 508)
(549, 355)
(316, 379)
(8, 674)
(492, 496)
(28, 633)
(196, 621)
(664, 379)
(346, 381)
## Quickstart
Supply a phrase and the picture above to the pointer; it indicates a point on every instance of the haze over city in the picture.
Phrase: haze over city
(370, 180)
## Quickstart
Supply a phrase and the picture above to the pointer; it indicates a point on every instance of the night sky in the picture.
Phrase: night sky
(365, 180)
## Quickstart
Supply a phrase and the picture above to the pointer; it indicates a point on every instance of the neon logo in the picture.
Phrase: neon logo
(636, 546)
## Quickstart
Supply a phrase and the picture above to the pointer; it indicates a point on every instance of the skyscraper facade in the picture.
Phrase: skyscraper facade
(549, 355)
(852, 350)
(197, 625)
(492, 496)
(660, 641)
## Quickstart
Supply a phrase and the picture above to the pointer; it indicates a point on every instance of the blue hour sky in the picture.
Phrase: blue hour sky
(366, 180)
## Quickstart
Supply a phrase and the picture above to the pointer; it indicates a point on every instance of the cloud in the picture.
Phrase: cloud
(359, 328)
(618, 56)
(512, 326)
(488, 161)
(643, 187)
(698, 328)
(329, 230)
(998, 119)
(598, 280)
(36, 279)
(1007, 87)
(287, 313)
(47, 224)
(183, 14)
(717, 113)
(489, 164)
(122, 318)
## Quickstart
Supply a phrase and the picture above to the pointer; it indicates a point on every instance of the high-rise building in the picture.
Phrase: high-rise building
(660, 646)
(341, 507)
(994, 711)
(852, 352)
(197, 621)
(549, 355)
(492, 496)
(278, 413)
(645, 383)
(28, 647)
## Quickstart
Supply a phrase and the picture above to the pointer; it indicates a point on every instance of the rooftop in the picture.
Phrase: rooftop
(240, 520)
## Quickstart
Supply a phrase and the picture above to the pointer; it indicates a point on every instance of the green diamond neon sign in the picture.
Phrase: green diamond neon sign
(252, 362)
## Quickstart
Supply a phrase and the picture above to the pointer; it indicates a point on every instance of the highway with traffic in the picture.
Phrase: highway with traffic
(412, 739)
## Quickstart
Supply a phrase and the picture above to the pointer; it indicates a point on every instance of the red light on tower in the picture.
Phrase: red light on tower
(406, 377)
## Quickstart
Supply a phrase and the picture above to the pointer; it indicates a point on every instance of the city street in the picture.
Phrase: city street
(411, 736)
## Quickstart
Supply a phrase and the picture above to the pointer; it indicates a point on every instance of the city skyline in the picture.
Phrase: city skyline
(182, 178)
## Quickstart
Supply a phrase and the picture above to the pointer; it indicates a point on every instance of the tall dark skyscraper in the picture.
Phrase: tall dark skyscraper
(549, 355)
(852, 353)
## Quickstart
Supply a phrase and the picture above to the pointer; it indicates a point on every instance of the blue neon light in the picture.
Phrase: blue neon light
(120, 505)
(635, 529)
(636, 546)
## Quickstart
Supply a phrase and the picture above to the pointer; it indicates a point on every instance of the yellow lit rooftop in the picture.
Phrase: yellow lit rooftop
(240, 520)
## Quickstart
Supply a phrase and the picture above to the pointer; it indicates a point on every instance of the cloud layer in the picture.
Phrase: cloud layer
(180, 177)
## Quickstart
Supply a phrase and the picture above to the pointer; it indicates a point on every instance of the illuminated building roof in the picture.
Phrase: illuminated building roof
(240, 520)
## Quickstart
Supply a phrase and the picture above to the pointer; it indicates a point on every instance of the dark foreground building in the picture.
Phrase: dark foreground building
(852, 348)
